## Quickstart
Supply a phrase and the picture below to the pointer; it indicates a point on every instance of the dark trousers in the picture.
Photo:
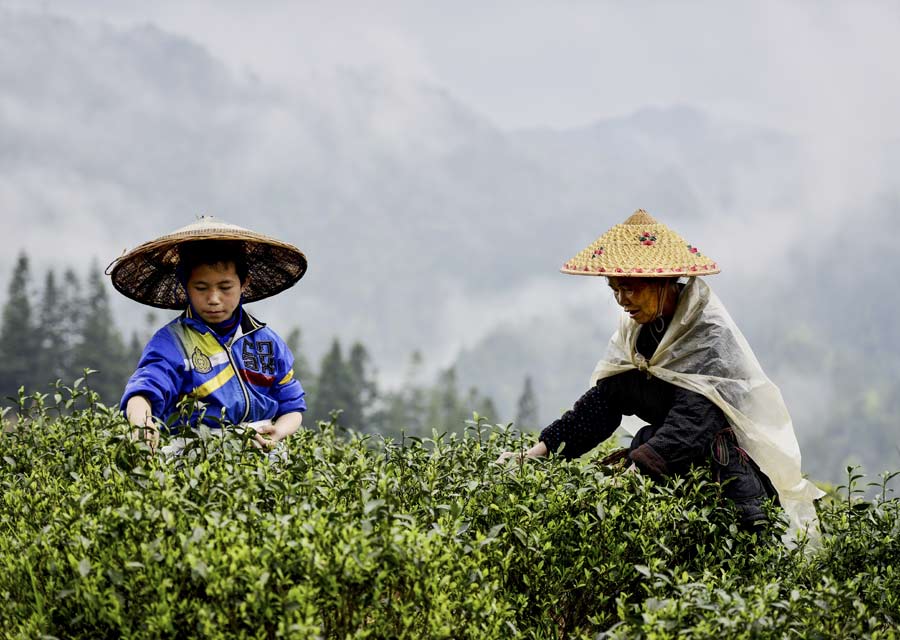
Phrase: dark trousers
(742, 480)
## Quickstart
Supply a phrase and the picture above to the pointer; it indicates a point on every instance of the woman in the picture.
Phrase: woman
(680, 363)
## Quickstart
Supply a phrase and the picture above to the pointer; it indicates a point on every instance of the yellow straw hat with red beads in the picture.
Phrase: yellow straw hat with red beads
(641, 247)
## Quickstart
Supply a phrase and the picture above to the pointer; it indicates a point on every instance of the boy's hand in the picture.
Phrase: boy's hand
(265, 437)
(139, 414)
(268, 435)
(148, 433)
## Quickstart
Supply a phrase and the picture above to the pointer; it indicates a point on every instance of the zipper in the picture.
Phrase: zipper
(237, 372)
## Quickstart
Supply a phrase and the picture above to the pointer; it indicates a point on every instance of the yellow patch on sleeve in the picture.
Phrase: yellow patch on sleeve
(287, 378)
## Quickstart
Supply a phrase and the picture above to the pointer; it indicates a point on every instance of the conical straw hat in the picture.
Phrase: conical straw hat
(640, 247)
(148, 273)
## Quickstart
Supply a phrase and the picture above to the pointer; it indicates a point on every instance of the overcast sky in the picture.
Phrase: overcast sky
(824, 72)
(804, 66)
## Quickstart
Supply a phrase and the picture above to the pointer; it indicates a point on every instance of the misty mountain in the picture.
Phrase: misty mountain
(427, 226)
(404, 201)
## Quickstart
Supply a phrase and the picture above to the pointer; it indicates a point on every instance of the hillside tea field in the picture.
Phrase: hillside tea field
(355, 537)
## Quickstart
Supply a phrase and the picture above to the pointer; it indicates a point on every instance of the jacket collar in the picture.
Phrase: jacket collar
(249, 324)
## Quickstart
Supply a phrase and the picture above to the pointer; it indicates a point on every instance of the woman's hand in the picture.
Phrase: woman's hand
(140, 415)
(537, 451)
(269, 435)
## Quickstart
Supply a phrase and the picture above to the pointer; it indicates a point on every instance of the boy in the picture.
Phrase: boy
(214, 352)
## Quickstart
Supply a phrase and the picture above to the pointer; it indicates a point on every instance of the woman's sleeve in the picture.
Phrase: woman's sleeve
(587, 424)
(684, 436)
(287, 390)
(158, 375)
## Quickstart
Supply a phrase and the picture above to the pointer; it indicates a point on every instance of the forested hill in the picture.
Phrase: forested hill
(67, 327)
(66, 333)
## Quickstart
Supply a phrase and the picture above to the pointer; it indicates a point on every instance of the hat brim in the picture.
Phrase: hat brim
(149, 273)
(640, 247)
(639, 272)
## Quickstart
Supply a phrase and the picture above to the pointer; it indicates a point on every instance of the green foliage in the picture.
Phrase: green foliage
(358, 537)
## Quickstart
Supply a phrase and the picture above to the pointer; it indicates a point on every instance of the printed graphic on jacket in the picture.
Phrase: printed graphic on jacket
(246, 379)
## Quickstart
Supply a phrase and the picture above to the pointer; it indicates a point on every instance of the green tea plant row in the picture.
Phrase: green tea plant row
(352, 536)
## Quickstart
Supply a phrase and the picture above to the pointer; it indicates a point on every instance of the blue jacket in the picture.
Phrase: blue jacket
(245, 377)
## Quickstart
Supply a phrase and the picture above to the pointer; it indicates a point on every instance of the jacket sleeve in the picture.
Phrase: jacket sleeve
(684, 436)
(591, 421)
(287, 390)
(158, 375)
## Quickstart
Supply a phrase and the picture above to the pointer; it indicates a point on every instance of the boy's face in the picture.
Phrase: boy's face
(214, 291)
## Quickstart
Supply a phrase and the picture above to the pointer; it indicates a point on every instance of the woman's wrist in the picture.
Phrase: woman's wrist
(539, 450)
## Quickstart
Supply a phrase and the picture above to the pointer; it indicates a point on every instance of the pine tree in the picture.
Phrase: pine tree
(365, 389)
(19, 344)
(302, 370)
(150, 327)
(489, 410)
(52, 329)
(403, 411)
(483, 405)
(446, 413)
(334, 388)
(389, 418)
(134, 350)
(527, 407)
(415, 396)
(101, 347)
(139, 340)
(72, 313)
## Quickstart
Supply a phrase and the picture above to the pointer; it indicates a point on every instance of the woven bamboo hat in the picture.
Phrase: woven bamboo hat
(640, 247)
(149, 273)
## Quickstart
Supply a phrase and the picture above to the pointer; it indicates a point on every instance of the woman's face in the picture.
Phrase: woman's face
(640, 297)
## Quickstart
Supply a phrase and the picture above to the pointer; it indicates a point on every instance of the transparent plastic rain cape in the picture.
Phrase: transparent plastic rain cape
(704, 351)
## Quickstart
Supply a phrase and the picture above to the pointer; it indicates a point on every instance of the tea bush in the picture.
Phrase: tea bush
(353, 536)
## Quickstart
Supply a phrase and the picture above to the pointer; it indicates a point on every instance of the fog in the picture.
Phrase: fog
(437, 167)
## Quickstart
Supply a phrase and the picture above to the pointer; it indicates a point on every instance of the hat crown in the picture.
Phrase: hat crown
(208, 223)
(640, 217)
